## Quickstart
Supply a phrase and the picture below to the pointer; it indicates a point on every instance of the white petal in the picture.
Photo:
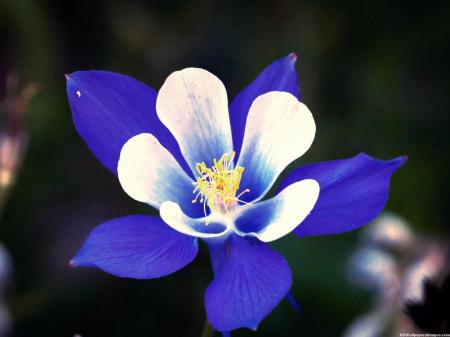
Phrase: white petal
(274, 218)
(149, 173)
(193, 104)
(172, 215)
(279, 129)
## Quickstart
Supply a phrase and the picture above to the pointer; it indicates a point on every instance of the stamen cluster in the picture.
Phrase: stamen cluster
(217, 186)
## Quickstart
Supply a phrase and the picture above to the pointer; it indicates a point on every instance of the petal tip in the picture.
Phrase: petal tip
(399, 161)
(293, 57)
(404, 159)
(72, 263)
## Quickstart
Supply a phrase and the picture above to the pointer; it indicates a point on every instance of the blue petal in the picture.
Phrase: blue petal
(136, 246)
(279, 76)
(108, 109)
(251, 279)
(352, 192)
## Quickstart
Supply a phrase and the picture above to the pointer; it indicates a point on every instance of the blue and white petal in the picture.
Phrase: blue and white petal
(136, 246)
(250, 280)
(148, 173)
(193, 104)
(352, 192)
(279, 130)
(278, 76)
(108, 109)
(211, 227)
(272, 219)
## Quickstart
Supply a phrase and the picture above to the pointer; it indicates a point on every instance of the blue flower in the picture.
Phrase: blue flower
(206, 166)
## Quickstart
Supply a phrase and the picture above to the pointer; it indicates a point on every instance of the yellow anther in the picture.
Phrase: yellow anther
(217, 186)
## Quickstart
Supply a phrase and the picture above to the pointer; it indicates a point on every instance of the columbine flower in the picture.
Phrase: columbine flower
(207, 166)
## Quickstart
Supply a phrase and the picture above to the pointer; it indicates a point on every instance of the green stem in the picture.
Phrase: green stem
(3, 196)
(208, 330)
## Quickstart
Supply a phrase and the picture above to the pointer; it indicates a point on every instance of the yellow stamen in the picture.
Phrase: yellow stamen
(217, 186)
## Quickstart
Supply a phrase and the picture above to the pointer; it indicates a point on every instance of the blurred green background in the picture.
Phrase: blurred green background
(375, 75)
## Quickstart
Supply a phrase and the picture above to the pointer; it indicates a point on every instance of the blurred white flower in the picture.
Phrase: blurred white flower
(371, 325)
(389, 230)
(373, 268)
(427, 267)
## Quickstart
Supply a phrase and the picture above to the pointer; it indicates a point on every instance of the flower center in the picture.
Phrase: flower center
(216, 186)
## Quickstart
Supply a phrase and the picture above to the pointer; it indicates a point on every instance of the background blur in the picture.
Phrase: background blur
(375, 75)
